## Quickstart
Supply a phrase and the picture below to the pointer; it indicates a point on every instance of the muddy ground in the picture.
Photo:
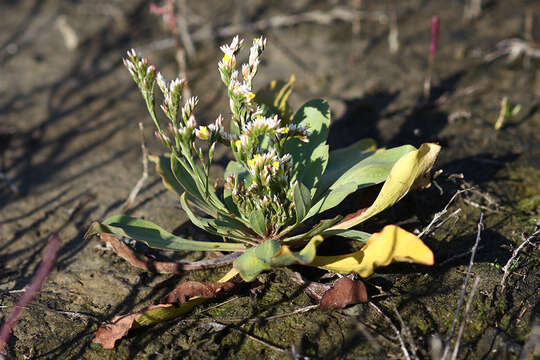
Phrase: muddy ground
(69, 143)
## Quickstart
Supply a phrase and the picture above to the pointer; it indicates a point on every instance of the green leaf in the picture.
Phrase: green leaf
(349, 234)
(341, 160)
(186, 180)
(302, 201)
(163, 168)
(372, 170)
(271, 254)
(412, 169)
(332, 198)
(241, 174)
(256, 260)
(310, 159)
(226, 227)
(155, 236)
(258, 223)
(316, 230)
(286, 257)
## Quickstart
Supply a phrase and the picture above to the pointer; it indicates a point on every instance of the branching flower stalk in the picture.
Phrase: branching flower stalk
(257, 139)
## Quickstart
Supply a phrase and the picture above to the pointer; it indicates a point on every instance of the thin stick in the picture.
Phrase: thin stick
(455, 257)
(405, 329)
(183, 30)
(135, 191)
(465, 316)
(297, 311)
(467, 278)
(514, 255)
(44, 308)
(218, 305)
(438, 215)
(261, 341)
(168, 13)
(43, 271)
(394, 328)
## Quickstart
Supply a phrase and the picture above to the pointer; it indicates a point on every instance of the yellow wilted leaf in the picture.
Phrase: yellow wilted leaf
(391, 244)
(410, 170)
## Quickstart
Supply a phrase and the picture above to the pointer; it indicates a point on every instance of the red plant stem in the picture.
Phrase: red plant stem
(434, 35)
(432, 52)
(43, 271)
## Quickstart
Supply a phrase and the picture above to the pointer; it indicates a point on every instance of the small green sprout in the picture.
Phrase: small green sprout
(507, 112)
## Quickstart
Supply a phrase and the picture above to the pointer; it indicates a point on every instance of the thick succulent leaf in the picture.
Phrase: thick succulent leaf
(207, 201)
(310, 159)
(302, 201)
(383, 248)
(229, 228)
(163, 168)
(155, 236)
(412, 169)
(271, 254)
(258, 223)
(332, 198)
(341, 160)
(348, 233)
(316, 230)
(373, 169)
(240, 173)
(273, 98)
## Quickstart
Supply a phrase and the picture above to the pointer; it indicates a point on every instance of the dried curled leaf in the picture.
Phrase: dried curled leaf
(109, 333)
(190, 289)
(391, 244)
(344, 292)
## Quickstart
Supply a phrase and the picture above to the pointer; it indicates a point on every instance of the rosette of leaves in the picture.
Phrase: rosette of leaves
(282, 175)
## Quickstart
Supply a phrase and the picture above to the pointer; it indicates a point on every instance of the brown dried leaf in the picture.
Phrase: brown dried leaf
(108, 334)
(162, 267)
(188, 295)
(313, 289)
(345, 292)
(190, 289)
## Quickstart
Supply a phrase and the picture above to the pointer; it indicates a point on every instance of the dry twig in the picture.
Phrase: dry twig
(135, 191)
(514, 255)
(464, 318)
(394, 328)
(438, 215)
(467, 278)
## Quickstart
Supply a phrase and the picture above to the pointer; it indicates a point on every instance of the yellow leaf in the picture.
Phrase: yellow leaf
(411, 170)
(391, 244)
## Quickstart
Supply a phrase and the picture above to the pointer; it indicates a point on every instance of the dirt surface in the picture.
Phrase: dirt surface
(69, 143)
